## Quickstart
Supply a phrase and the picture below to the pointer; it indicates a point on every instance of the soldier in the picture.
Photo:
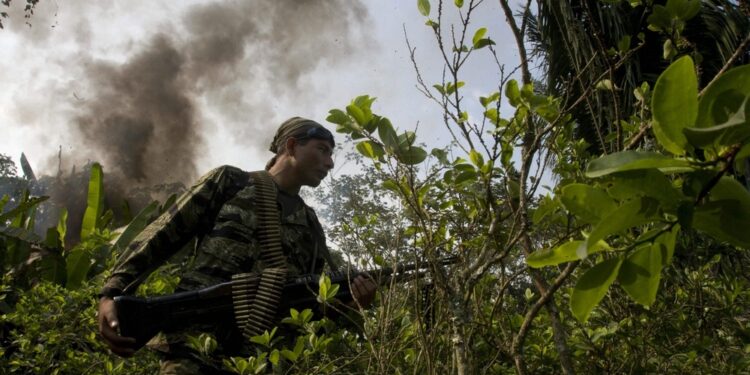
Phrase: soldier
(220, 211)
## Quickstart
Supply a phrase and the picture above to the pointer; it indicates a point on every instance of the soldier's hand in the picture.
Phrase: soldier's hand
(363, 291)
(122, 346)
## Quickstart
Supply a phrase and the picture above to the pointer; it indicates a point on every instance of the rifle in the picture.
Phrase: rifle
(143, 318)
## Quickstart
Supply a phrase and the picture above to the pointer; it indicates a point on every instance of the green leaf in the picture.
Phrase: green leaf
(592, 287)
(77, 264)
(22, 207)
(476, 158)
(95, 202)
(357, 114)
(660, 19)
(478, 35)
(20, 234)
(665, 244)
(675, 104)
(483, 43)
(459, 3)
(411, 156)
(628, 215)
(587, 202)
(370, 149)
(624, 44)
(513, 93)
(644, 182)
(62, 225)
(640, 274)
(387, 134)
(566, 252)
(724, 97)
(727, 216)
(735, 130)
(337, 116)
(424, 7)
(392, 186)
(633, 160)
(605, 85)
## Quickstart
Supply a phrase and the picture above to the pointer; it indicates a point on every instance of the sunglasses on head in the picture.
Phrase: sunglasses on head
(318, 133)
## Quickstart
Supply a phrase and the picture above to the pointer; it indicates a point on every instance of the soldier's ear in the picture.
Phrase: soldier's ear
(291, 146)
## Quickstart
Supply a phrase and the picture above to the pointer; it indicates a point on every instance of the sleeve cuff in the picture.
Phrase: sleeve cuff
(109, 292)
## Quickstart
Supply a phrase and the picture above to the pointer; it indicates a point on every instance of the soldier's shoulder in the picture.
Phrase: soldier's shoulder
(224, 172)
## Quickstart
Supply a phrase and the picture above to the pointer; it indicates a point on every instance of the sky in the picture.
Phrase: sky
(164, 91)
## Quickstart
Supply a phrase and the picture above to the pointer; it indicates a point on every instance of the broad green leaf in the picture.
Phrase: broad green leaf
(62, 226)
(633, 160)
(476, 158)
(735, 130)
(640, 274)
(725, 220)
(724, 97)
(412, 155)
(478, 35)
(406, 139)
(587, 202)
(628, 215)
(660, 19)
(624, 44)
(483, 43)
(683, 9)
(51, 266)
(20, 234)
(392, 186)
(566, 252)
(25, 205)
(424, 7)
(370, 149)
(513, 93)
(136, 226)
(675, 104)
(644, 182)
(490, 99)
(77, 264)
(440, 154)
(547, 205)
(605, 85)
(665, 244)
(729, 188)
(592, 287)
(357, 114)
(387, 134)
(465, 176)
(95, 202)
(337, 116)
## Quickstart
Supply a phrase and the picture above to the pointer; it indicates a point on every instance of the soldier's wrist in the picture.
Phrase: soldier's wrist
(107, 292)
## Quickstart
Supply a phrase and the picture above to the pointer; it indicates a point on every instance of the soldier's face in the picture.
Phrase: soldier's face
(313, 161)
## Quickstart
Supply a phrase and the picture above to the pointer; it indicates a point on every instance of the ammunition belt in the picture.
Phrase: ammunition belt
(256, 297)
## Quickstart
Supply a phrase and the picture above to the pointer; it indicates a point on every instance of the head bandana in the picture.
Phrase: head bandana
(298, 128)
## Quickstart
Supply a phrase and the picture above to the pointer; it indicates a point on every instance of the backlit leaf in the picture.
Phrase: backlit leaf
(640, 274)
(675, 104)
(633, 160)
(592, 286)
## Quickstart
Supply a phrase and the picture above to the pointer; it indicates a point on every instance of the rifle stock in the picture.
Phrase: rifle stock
(143, 318)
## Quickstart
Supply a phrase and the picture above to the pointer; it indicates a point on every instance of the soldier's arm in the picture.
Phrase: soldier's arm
(193, 212)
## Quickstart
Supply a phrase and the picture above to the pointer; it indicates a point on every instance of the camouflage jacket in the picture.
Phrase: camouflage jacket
(220, 211)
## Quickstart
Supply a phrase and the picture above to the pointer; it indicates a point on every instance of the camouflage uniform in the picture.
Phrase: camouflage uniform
(220, 211)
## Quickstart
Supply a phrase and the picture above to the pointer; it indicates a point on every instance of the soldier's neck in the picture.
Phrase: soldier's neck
(285, 179)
